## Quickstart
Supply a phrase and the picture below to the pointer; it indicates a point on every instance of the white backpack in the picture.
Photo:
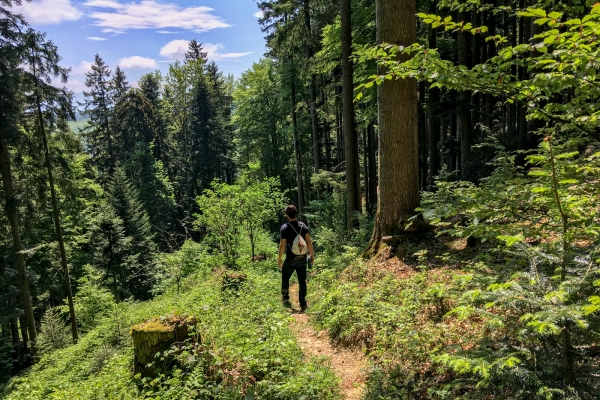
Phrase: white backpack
(299, 246)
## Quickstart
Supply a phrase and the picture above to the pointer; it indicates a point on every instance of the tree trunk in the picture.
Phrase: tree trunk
(297, 146)
(11, 210)
(434, 120)
(313, 99)
(352, 180)
(398, 130)
(464, 114)
(57, 227)
(372, 168)
(423, 146)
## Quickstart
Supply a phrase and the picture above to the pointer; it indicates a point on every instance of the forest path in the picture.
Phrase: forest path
(348, 365)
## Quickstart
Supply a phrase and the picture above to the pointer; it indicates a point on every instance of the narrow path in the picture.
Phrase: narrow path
(348, 365)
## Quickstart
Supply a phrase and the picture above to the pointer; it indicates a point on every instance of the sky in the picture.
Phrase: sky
(142, 36)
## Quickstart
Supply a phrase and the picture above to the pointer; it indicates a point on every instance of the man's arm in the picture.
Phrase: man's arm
(281, 252)
(310, 247)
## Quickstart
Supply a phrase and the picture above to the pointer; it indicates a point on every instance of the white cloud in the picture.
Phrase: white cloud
(259, 14)
(82, 68)
(137, 62)
(96, 38)
(166, 32)
(151, 14)
(48, 12)
(176, 49)
(76, 85)
(114, 31)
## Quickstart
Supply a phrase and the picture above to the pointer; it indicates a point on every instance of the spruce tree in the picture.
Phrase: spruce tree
(120, 84)
(123, 198)
(98, 105)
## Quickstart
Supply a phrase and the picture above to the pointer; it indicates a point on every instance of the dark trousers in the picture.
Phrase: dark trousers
(287, 270)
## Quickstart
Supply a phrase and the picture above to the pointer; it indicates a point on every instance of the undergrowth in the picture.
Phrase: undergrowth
(246, 349)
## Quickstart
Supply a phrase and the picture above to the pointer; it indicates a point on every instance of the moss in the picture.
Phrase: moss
(156, 336)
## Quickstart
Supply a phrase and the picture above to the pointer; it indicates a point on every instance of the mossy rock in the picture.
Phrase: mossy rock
(156, 336)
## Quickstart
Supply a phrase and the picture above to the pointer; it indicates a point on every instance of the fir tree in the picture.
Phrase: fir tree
(123, 198)
(98, 105)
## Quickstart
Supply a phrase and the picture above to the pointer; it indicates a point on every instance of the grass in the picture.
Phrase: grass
(246, 350)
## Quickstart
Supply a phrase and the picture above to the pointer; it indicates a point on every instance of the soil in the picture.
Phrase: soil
(349, 365)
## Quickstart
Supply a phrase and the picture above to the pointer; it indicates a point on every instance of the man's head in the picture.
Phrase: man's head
(291, 212)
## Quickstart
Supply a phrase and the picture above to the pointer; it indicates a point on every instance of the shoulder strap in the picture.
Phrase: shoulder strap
(295, 231)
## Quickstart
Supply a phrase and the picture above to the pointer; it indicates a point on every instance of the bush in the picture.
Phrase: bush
(54, 333)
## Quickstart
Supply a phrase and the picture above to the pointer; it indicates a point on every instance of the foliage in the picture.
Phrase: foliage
(229, 210)
(92, 301)
(247, 348)
(54, 333)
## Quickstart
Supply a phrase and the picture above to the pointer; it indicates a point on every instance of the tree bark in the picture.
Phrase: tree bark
(11, 211)
(297, 145)
(352, 180)
(434, 120)
(57, 226)
(314, 121)
(464, 114)
(372, 144)
(398, 130)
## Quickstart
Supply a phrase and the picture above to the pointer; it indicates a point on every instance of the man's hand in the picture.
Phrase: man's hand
(280, 263)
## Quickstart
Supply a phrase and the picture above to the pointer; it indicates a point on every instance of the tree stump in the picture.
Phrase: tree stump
(156, 336)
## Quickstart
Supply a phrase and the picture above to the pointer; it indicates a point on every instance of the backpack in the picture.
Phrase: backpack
(299, 246)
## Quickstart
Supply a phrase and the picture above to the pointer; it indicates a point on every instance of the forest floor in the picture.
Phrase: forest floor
(348, 365)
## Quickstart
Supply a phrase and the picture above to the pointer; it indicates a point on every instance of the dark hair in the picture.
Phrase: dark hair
(291, 211)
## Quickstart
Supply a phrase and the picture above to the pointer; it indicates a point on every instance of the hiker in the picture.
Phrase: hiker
(295, 242)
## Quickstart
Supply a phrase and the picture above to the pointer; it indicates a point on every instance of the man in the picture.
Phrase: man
(293, 260)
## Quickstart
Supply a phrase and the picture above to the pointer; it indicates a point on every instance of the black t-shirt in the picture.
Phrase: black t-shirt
(289, 235)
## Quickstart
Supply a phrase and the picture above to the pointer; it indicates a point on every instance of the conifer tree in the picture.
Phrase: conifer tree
(98, 105)
(10, 79)
(120, 84)
(50, 106)
(123, 198)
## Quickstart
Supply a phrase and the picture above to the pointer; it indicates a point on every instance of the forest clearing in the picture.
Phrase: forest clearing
(442, 159)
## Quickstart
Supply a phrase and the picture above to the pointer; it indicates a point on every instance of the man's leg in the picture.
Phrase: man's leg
(301, 273)
(286, 273)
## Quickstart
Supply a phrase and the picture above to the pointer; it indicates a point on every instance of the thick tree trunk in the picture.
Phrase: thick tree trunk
(398, 130)
(352, 180)
(57, 226)
(11, 210)
(297, 147)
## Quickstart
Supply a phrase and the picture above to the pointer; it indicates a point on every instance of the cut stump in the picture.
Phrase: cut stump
(156, 336)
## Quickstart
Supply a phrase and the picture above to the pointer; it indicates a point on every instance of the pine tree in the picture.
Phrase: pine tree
(49, 106)
(123, 198)
(98, 105)
(10, 79)
(120, 84)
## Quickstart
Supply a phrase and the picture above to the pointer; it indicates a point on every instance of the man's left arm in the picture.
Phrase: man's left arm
(310, 247)
(282, 244)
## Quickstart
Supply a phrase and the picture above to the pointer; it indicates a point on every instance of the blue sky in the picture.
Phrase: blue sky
(145, 35)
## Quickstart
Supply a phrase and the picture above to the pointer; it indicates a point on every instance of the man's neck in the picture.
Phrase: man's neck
(292, 220)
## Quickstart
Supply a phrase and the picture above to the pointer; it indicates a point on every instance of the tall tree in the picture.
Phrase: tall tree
(98, 105)
(50, 106)
(353, 201)
(398, 131)
(10, 80)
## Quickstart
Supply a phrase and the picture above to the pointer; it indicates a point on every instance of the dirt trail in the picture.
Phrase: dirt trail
(348, 365)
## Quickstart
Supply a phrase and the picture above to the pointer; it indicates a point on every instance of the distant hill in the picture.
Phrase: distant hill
(80, 123)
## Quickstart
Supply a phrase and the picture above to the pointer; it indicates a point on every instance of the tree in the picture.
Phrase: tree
(10, 80)
(353, 201)
(398, 148)
(140, 255)
(98, 105)
(120, 84)
(50, 105)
